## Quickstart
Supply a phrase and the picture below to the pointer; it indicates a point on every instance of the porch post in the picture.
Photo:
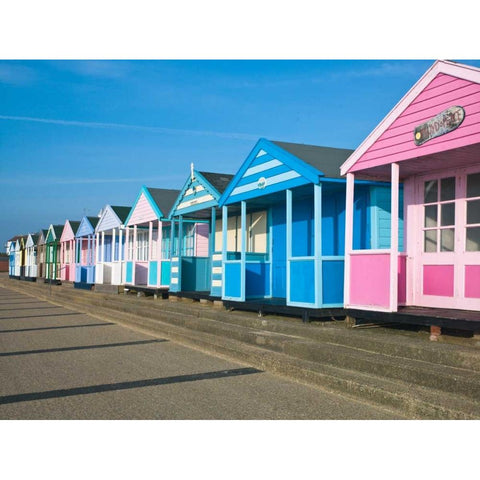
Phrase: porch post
(134, 253)
(112, 253)
(101, 254)
(224, 244)
(348, 236)
(150, 238)
(127, 243)
(211, 245)
(172, 237)
(180, 238)
(317, 198)
(288, 230)
(159, 252)
(243, 247)
(394, 238)
(213, 220)
(120, 256)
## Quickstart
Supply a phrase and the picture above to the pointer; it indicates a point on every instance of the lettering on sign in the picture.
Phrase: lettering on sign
(441, 124)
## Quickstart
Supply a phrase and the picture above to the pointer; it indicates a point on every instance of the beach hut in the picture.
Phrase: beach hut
(85, 253)
(110, 243)
(52, 252)
(196, 267)
(31, 257)
(148, 232)
(67, 250)
(283, 228)
(430, 141)
(11, 252)
(41, 253)
(20, 254)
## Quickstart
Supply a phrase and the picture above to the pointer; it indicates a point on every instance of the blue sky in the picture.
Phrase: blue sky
(76, 135)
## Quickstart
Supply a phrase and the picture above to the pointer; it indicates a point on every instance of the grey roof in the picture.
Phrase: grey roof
(164, 198)
(219, 181)
(326, 159)
(74, 224)
(34, 238)
(93, 221)
(58, 229)
(121, 212)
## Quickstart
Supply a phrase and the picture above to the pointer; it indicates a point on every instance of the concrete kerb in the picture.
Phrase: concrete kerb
(196, 331)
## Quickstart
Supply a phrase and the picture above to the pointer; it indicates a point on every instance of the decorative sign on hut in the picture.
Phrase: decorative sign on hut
(441, 124)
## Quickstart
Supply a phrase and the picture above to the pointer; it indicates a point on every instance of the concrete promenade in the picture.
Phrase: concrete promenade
(58, 363)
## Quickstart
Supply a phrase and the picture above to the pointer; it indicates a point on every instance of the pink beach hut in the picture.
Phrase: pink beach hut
(67, 251)
(430, 141)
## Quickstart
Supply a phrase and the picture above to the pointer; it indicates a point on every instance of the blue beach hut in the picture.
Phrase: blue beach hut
(85, 251)
(283, 223)
(196, 266)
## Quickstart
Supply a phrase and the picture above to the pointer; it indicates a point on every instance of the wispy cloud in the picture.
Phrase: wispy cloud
(81, 181)
(15, 74)
(385, 69)
(164, 130)
(97, 68)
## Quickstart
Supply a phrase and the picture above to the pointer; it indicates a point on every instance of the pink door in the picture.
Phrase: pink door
(447, 260)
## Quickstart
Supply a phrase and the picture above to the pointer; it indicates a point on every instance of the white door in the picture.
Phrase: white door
(447, 261)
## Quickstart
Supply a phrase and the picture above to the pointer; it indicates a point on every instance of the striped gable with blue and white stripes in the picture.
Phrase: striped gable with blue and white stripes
(268, 169)
(198, 193)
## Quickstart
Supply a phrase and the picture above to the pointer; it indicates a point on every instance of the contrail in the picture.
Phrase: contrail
(169, 131)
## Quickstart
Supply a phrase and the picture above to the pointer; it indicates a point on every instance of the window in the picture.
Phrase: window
(439, 215)
(473, 213)
(189, 239)
(256, 234)
(142, 245)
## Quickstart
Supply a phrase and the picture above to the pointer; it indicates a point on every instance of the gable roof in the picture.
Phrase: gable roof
(87, 226)
(121, 212)
(160, 200)
(74, 224)
(465, 72)
(56, 230)
(326, 159)
(163, 198)
(219, 181)
(274, 166)
(201, 191)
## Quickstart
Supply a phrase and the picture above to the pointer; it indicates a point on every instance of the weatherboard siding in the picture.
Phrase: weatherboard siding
(265, 174)
(202, 231)
(109, 221)
(397, 144)
(143, 212)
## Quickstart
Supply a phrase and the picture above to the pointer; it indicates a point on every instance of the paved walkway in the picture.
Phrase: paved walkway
(57, 363)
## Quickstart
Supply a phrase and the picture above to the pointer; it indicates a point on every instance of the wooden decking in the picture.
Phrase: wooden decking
(413, 315)
(278, 306)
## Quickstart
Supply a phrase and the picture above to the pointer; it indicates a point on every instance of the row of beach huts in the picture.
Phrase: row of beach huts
(387, 232)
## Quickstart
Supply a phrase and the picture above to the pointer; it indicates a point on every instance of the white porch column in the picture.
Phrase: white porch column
(127, 243)
(150, 238)
(348, 236)
(120, 238)
(134, 253)
(102, 253)
(97, 250)
(159, 252)
(112, 254)
(394, 238)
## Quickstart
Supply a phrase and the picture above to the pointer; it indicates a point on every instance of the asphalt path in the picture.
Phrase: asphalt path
(56, 363)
